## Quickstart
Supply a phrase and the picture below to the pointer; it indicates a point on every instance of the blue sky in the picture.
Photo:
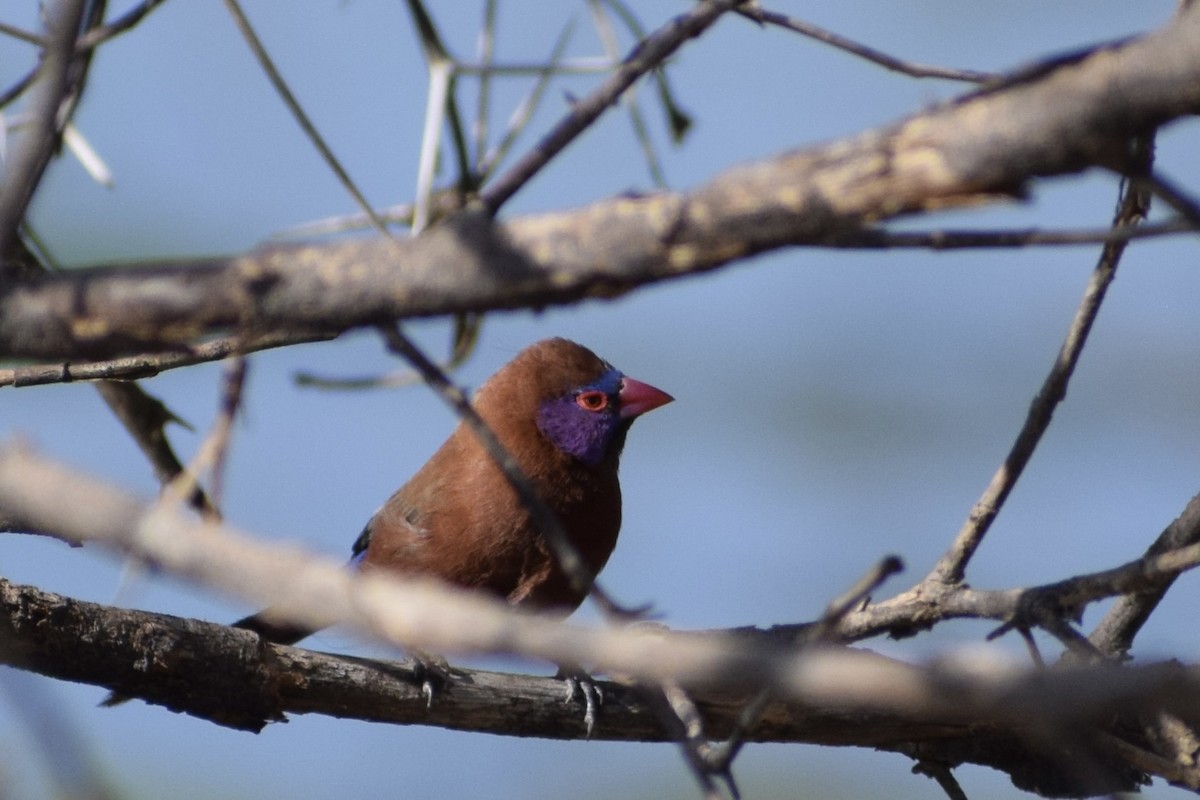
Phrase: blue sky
(832, 406)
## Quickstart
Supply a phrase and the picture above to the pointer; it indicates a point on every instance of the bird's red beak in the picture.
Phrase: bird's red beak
(637, 398)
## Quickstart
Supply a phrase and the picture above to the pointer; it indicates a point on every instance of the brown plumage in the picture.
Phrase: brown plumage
(563, 413)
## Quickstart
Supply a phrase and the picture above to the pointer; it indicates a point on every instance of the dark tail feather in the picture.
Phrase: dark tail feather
(279, 633)
(114, 699)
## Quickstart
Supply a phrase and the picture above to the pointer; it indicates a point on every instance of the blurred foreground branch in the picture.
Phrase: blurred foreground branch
(1059, 731)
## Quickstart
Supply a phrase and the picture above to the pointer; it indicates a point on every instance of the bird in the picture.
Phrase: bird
(563, 413)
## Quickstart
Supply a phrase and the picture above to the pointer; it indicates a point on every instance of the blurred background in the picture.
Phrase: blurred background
(832, 406)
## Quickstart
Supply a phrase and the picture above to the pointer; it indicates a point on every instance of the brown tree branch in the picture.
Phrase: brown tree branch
(321, 592)
(844, 697)
(986, 145)
(150, 364)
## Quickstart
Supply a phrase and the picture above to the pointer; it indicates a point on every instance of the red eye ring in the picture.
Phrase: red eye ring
(592, 400)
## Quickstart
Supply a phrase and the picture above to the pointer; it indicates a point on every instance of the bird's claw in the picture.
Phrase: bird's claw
(432, 673)
(581, 684)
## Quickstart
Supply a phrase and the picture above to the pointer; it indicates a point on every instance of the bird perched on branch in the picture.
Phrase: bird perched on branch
(563, 413)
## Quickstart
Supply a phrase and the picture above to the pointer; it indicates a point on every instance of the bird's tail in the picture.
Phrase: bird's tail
(277, 632)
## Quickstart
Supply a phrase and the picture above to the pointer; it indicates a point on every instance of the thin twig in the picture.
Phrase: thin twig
(301, 117)
(145, 418)
(1133, 207)
(721, 757)
(18, 88)
(121, 24)
(487, 56)
(146, 366)
(929, 603)
(682, 723)
(465, 336)
(584, 65)
(679, 122)
(608, 39)
(212, 451)
(1115, 632)
(647, 55)
(1075, 642)
(576, 569)
(879, 238)
(233, 382)
(441, 74)
(1035, 655)
(523, 113)
(854, 597)
(443, 203)
(944, 777)
(391, 380)
(912, 69)
(1171, 194)
(86, 155)
(22, 35)
(438, 59)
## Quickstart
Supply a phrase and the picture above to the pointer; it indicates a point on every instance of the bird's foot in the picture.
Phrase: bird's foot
(431, 673)
(581, 685)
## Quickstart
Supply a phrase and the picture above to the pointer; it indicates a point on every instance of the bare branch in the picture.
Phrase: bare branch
(928, 603)
(21, 34)
(1132, 209)
(954, 714)
(963, 152)
(18, 88)
(762, 15)
(733, 664)
(145, 418)
(720, 758)
(1171, 194)
(1115, 632)
(213, 450)
(146, 366)
(944, 777)
(648, 54)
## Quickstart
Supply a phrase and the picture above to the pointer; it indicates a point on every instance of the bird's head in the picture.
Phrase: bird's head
(589, 421)
(582, 404)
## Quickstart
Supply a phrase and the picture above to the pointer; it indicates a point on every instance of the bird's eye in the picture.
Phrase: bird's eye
(592, 400)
